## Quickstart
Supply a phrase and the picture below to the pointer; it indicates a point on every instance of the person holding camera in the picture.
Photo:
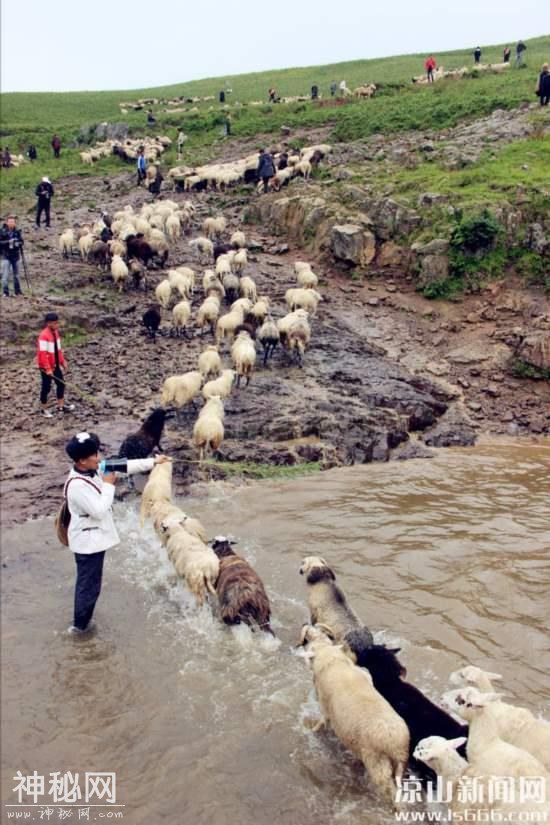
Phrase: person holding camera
(11, 244)
(91, 532)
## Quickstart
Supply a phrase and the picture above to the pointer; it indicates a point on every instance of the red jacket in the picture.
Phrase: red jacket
(430, 63)
(45, 350)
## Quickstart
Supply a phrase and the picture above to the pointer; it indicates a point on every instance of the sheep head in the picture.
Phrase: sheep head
(435, 748)
(315, 568)
(468, 702)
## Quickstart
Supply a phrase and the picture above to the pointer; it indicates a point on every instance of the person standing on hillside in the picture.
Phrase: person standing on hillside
(477, 55)
(6, 158)
(141, 166)
(314, 91)
(31, 152)
(333, 89)
(182, 137)
(506, 54)
(430, 65)
(11, 244)
(266, 168)
(56, 146)
(50, 360)
(543, 86)
(44, 193)
(520, 48)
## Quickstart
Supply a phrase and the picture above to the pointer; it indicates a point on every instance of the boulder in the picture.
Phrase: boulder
(111, 131)
(391, 254)
(453, 429)
(353, 244)
(438, 246)
(535, 350)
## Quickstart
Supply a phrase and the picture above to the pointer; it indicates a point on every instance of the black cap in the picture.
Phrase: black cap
(82, 445)
(51, 316)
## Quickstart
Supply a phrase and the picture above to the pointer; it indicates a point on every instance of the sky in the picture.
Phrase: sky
(69, 45)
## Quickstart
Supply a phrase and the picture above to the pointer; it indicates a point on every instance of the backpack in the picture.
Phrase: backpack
(63, 517)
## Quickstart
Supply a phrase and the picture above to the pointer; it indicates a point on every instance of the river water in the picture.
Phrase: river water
(448, 558)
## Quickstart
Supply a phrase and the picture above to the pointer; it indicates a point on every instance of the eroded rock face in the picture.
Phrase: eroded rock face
(535, 350)
(353, 244)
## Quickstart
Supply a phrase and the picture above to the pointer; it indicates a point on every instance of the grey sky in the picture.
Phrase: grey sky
(104, 44)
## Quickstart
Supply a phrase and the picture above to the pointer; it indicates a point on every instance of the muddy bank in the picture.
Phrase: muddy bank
(372, 386)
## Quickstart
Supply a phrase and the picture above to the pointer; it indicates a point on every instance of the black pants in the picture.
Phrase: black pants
(544, 100)
(266, 183)
(43, 206)
(57, 152)
(89, 572)
(47, 383)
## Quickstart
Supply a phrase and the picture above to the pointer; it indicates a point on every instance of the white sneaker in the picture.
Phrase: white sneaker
(66, 408)
(76, 631)
(47, 414)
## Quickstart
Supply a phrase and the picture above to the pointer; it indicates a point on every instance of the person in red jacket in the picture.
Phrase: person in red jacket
(430, 66)
(50, 359)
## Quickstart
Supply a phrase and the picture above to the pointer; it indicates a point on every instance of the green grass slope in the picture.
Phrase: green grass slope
(398, 106)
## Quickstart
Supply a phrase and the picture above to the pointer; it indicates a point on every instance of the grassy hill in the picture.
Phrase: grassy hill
(398, 106)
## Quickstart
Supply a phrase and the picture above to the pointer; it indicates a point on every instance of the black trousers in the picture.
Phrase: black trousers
(43, 206)
(89, 572)
(47, 383)
(544, 100)
(266, 183)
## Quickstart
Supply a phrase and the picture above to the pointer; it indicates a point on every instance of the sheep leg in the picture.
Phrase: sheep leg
(238, 380)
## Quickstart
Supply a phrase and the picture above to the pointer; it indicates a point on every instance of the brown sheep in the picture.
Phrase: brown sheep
(240, 590)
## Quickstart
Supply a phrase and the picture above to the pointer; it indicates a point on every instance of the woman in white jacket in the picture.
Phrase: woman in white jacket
(92, 529)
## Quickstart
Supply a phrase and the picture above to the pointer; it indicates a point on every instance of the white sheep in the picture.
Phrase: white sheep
(298, 298)
(181, 315)
(193, 560)
(208, 431)
(243, 305)
(360, 717)
(180, 282)
(295, 332)
(223, 266)
(66, 243)
(220, 387)
(117, 247)
(214, 227)
(261, 308)
(181, 389)
(238, 240)
(85, 244)
(240, 260)
(515, 725)
(205, 249)
(163, 292)
(210, 362)
(301, 266)
(227, 324)
(119, 271)
(173, 227)
(158, 488)
(208, 312)
(247, 288)
(486, 749)
(243, 355)
(307, 279)
(303, 168)
(268, 336)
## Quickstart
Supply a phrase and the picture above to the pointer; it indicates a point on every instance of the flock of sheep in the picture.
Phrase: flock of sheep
(388, 723)
(244, 170)
(153, 148)
(440, 73)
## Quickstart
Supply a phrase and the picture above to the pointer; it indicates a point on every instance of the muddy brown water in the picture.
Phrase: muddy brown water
(447, 558)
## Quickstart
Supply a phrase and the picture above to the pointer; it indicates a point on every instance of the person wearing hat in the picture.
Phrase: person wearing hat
(50, 360)
(11, 243)
(44, 193)
(92, 530)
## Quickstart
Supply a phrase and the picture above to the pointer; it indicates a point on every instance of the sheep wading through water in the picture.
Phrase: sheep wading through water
(360, 717)
(241, 593)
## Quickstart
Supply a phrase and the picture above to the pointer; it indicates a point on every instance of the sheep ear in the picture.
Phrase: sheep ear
(393, 649)
(458, 742)
(493, 677)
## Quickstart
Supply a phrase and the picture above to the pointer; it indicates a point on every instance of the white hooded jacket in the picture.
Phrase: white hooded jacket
(92, 527)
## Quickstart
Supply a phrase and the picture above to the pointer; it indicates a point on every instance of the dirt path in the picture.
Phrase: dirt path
(388, 373)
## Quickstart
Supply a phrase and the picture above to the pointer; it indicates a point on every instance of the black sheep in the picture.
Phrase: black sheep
(423, 717)
(151, 319)
(221, 249)
(142, 443)
(137, 247)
